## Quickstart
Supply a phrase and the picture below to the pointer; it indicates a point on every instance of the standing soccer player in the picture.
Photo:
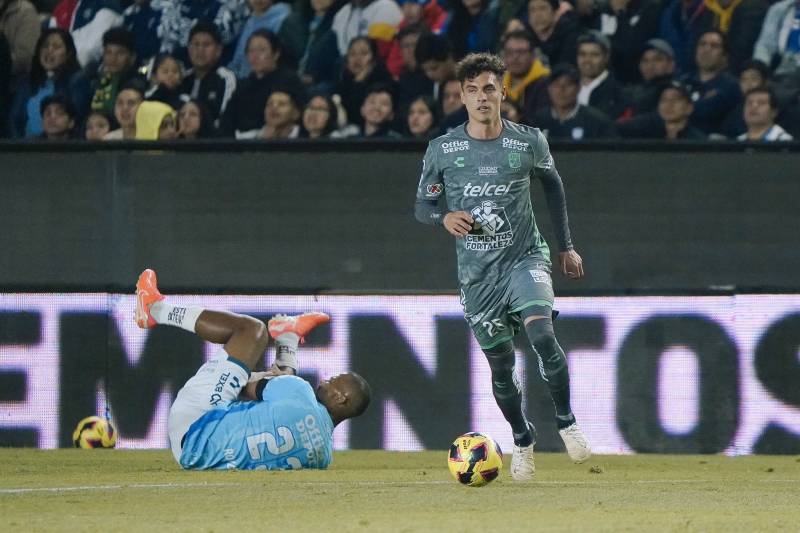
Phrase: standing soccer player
(484, 170)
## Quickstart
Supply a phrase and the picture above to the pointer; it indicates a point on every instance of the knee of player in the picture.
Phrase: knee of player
(255, 329)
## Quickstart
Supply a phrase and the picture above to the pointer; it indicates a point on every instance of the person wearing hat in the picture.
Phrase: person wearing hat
(657, 68)
(599, 88)
(670, 121)
(565, 117)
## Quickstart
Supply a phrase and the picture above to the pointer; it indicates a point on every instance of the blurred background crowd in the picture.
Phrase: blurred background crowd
(263, 69)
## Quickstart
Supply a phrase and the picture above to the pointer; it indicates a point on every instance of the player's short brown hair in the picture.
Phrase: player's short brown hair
(475, 64)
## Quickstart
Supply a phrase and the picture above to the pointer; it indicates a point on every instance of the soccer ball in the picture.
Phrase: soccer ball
(475, 459)
(94, 432)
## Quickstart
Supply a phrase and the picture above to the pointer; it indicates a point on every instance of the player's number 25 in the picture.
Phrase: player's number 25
(493, 327)
(254, 441)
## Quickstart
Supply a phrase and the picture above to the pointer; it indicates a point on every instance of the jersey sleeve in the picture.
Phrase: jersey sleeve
(431, 182)
(542, 159)
(284, 387)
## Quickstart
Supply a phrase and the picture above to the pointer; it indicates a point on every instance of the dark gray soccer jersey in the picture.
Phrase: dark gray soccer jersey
(491, 180)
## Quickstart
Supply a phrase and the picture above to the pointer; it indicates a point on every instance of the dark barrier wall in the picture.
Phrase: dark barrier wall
(338, 219)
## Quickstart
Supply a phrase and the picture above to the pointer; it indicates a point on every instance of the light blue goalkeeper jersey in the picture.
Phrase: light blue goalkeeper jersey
(288, 430)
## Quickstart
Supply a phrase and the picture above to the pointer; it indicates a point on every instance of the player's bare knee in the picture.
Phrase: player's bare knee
(253, 329)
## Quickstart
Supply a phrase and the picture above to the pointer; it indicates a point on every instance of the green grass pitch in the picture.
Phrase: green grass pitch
(126, 490)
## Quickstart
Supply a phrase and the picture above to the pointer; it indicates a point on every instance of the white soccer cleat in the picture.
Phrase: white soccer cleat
(522, 465)
(576, 442)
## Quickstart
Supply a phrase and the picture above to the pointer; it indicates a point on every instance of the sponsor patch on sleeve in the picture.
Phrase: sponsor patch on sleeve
(434, 190)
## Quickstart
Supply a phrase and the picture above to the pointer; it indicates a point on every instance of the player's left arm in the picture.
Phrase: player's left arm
(545, 169)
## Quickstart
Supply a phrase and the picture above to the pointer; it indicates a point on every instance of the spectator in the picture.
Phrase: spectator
(87, 21)
(19, 24)
(363, 68)
(319, 118)
(194, 121)
(453, 111)
(319, 64)
(117, 67)
(760, 111)
(525, 78)
(54, 69)
(566, 117)
(435, 56)
(740, 21)
(278, 18)
(179, 17)
(472, 26)
(628, 24)
(244, 116)
(599, 88)
(129, 97)
(58, 118)
(670, 121)
(555, 31)
(753, 74)
(97, 126)
(375, 19)
(166, 80)
(714, 91)
(422, 122)
(684, 21)
(156, 121)
(681, 25)
(426, 16)
(412, 81)
(377, 112)
(207, 81)
(657, 69)
(778, 43)
(281, 116)
(143, 20)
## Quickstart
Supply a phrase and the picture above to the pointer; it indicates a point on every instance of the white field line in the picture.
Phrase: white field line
(114, 487)
(360, 483)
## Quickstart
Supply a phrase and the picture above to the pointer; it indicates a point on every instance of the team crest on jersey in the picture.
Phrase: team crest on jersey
(492, 229)
(514, 160)
(434, 190)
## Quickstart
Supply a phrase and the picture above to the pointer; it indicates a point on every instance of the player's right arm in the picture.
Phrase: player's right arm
(429, 207)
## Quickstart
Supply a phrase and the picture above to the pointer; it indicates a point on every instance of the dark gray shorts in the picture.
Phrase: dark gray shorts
(493, 309)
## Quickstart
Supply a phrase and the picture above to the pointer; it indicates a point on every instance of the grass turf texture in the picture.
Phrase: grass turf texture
(126, 490)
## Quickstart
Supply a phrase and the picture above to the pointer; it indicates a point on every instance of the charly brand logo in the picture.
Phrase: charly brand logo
(459, 162)
(455, 146)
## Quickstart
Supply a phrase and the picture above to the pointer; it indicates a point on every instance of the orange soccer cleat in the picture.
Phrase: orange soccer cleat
(146, 295)
(300, 325)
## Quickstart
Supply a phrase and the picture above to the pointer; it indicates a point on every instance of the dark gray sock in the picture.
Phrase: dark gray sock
(553, 367)
(507, 391)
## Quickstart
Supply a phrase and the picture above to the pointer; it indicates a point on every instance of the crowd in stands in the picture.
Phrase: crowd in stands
(265, 69)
